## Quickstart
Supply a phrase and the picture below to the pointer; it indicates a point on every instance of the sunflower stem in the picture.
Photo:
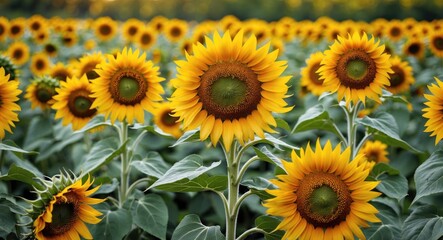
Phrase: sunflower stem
(134, 184)
(351, 115)
(231, 212)
(245, 167)
(362, 142)
(249, 232)
(124, 164)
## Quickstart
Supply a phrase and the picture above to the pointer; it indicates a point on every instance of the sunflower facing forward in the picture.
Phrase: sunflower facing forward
(356, 68)
(323, 195)
(9, 92)
(433, 111)
(229, 89)
(127, 85)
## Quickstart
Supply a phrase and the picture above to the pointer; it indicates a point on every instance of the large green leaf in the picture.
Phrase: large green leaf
(38, 130)
(201, 183)
(391, 220)
(114, 225)
(8, 146)
(268, 224)
(192, 228)
(423, 223)
(7, 221)
(188, 168)
(152, 165)
(315, 117)
(265, 155)
(384, 127)
(23, 175)
(189, 136)
(258, 186)
(394, 186)
(151, 214)
(429, 176)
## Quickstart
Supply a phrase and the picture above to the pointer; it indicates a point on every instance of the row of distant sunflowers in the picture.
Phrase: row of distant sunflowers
(77, 94)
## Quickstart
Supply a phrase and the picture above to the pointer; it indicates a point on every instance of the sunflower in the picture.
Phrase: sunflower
(165, 121)
(41, 36)
(433, 110)
(4, 26)
(87, 65)
(375, 151)
(146, 38)
(310, 77)
(131, 28)
(436, 43)
(51, 49)
(73, 102)
(40, 64)
(175, 30)
(9, 92)
(61, 72)
(355, 68)
(69, 39)
(401, 79)
(66, 213)
(158, 23)
(40, 92)
(18, 52)
(17, 27)
(105, 28)
(127, 85)
(230, 89)
(323, 195)
(394, 30)
(9, 67)
(414, 47)
(36, 23)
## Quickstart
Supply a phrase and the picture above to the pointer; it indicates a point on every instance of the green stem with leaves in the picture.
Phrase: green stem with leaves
(124, 184)
(233, 170)
(351, 115)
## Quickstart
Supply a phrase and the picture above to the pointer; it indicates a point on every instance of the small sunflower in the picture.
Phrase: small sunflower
(395, 30)
(64, 208)
(433, 111)
(41, 36)
(131, 28)
(61, 72)
(158, 23)
(175, 30)
(401, 79)
(87, 65)
(146, 38)
(36, 23)
(436, 43)
(356, 68)
(105, 28)
(18, 52)
(69, 39)
(4, 26)
(414, 47)
(165, 121)
(73, 102)
(127, 85)
(9, 92)
(51, 49)
(230, 88)
(40, 64)
(375, 151)
(309, 76)
(40, 92)
(323, 195)
(17, 27)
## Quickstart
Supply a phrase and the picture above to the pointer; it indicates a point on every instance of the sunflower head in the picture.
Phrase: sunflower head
(375, 151)
(41, 90)
(63, 208)
(18, 52)
(356, 68)
(165, 121)
(9, 92)
(402, 78)
(9, 67)
(432, 111)
(309, 76)
(323, 194)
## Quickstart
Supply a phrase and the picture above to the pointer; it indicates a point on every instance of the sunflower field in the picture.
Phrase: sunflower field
(220, 129)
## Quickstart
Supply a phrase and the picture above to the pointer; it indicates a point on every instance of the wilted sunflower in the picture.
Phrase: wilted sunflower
(4, 26)
(323, 195)
(375, 151)
(40, 92)
(127, 85)
(436, 43)
(61, 72)
(166, 122)
(40, 64)
(18, 52)
(105, 28)
(309, 76)
(433, 111)
(73, 102)
(9, 92)
(401, 79)
(87, 65)
(64, 208)
(356, 68)
(230, 88)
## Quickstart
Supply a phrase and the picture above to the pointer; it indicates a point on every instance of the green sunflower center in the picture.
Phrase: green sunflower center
(44, 94)
(229, 90)
(64, 215)
(356, 69)
(128, 87)
(396, 78)
(79, 104)
(323, 199)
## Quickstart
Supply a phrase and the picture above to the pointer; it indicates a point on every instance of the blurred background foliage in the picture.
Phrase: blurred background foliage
(198, 10)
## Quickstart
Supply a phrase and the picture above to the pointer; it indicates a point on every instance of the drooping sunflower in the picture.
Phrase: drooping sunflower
(127, 85)
(175, 29)
(323, 195)
(63, 210)
(165, 121)
(18, 52)
(87, 65)
(375, 151)
(356, 68)
(436, 43)
(17, 27)
(4, 26)
(414, 47)
(309, 76)
(402, 78)
(105, 28)
(73, 102)
(61, 72)
(9, 92)
(40, 64)
(230, 88)
(433, 110)
(40, 92)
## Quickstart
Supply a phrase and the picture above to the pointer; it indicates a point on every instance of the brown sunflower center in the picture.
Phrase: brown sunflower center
(356, 69)
(229, 90)
(372, 156)
(168, 120)
(314, 76)
(18, 54)
(88, 69)
(50, 48)
(40, 64)
(128, 87)
(176, 31)
(396, 78)
(2, 29)
(132, 31)
(64, 216)
(414, 48)
(438, 43)
(35, 26)
(15, 29)
(323, 199)
(395, 31)
(79, 104)
(105, 30)
(145, 38)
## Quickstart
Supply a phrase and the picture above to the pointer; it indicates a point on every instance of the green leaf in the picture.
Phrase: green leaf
(268, 224)
(315, 117)
(7, 147)
(384, 127)
(151, 214)
(275, 142)
(394, 98)
(381, 168)
(391, 221)
(95, 123)
(189, 136)
(201, 183)
(429, 176)
(283, 124)
(101, 153)
(258, 186)
(114, 225)
(267, 156)
(394, 186)
(108, 187)
(7, 221)
(423, 223)
(152, 165)
(39, 128)
(189, 168)
(153, 129)
(23, 175)
(192, 228)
